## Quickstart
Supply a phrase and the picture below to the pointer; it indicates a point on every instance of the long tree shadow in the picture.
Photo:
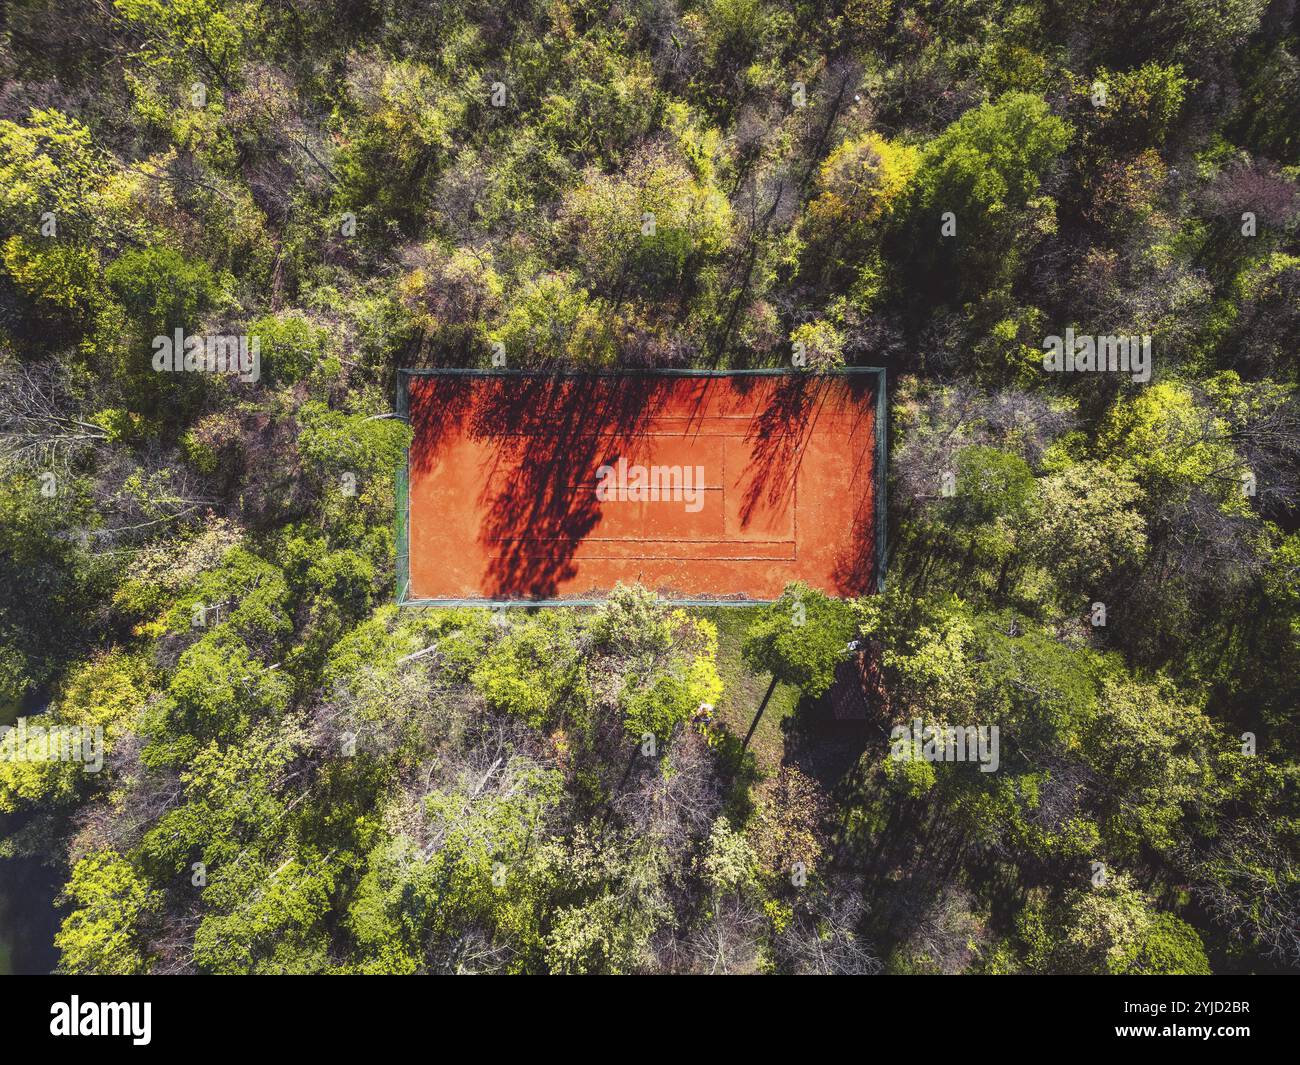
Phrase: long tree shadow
(436, 408)
(857, 564)
(822, 746)
(550, 430)
(777, 436)
(550, 434)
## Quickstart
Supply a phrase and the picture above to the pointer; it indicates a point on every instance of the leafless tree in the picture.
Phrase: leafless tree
(142, 496)
(378, 712)
(944, 935)
(822, 939)
(948, 419)
(674, 802)
(41, 426)
(1252, 886)
(1257, 187)
(139, 798)
(730, 942)
(475, 952)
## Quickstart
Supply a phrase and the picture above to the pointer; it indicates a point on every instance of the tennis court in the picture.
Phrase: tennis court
(701, 486)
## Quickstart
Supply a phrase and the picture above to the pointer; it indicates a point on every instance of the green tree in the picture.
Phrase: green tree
(51, 164)
(801, 639)
(985, 170)
(291, 346)
(637, 231)
(106, 692)
(1111, 929)
(103, 935)
(662, 692)
(536, 672)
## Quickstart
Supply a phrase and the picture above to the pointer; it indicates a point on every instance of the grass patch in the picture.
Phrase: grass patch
(743, 690)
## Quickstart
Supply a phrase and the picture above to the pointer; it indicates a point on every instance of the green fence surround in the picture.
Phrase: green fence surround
(403, 478)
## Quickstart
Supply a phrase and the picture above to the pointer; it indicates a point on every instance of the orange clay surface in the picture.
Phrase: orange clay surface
(503, 477)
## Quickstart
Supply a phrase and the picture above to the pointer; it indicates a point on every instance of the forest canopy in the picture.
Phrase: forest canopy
(300, 777)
